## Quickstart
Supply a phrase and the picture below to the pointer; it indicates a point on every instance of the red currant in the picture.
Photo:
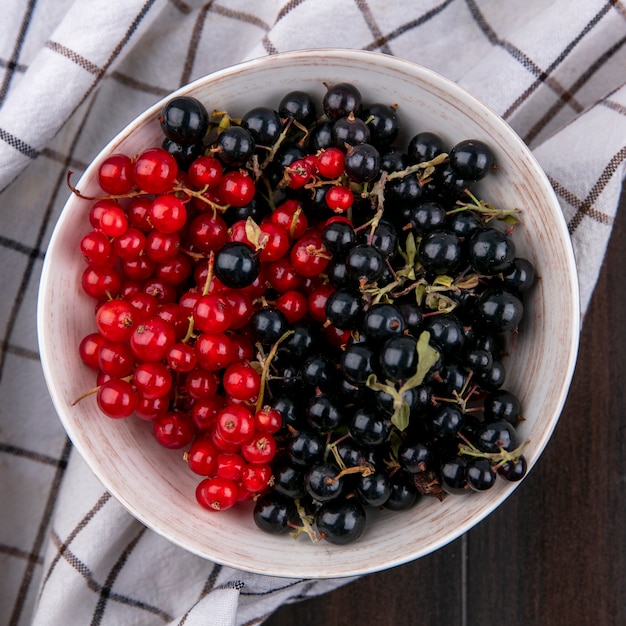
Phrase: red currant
(116, 398)
(155, 171)
(174, 430)
(115, 175)
(217, 493)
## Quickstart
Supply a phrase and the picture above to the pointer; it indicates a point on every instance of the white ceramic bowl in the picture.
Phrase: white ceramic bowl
(154, 484)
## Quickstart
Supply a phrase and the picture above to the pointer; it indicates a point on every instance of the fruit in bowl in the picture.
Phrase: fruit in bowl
(346, 250)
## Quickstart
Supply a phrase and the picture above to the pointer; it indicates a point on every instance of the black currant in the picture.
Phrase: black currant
(440, 251)
(299, 106)
(235, 145)
(491, 251)
(362, 163)
(322, 482)
(397, 358)
(425, 146)
(342, 99)
(273, 513)
(268, 325)
(341, 521)
(236, 265)
(184, 120)
(480, 474)
(356, 362)
(264, 124)
(382, 120)
(368, 428)
(498, 310)
(471, 159)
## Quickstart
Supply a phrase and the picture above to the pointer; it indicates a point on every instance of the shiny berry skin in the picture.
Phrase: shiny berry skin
(214, 351)
(398, 358)
(237, 188)
(260, 449)
(174, 430)
(491, 251)
(480, 474)
(241, 382)
(116, 398)
(515, 470)
(155, 171)
(152, 339)
(168, 214)
(184, 120)
(235, 146)
(216, 493)
(357, 363)
(374, 489)
(291, 217)
(298, 106)
(344, 308)
(212, 313)
(205, 171)
(496, 436)
(339, 237)
(498, 310)
(382, 321)
(362, 163)
(339, 198)
(255, 478)
(96, 249)
(268, 325)
(521, 276)
(235, 424)
(89, 349)
(471, 159)
(368, 428)
(101, 283)
(152, 380)
(308, 255)
(236, 265)
(425, 146)
(365, 263)
(330, 163)
(273, 513)
(116, 320)
(321, 482)
(202, 457)
(383, 124)
(306, 448)
(115, 175)
(341, 522)
(453, 476)
(341, 99)
(502, 405)
(264, 124)
(440, 251)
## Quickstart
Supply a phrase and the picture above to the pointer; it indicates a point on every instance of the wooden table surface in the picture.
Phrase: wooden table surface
(555, 552)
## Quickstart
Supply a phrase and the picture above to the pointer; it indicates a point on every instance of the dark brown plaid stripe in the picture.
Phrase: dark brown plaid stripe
(382, 40)
(40, 537)
(86, 573)
(73, 56)
(192, 49)
(585, 208)
(372, 24)
(106, 590)
(33, 456)
(582, 80)
(21, 554)
(63, 546)
(17, 49)
(545, 77)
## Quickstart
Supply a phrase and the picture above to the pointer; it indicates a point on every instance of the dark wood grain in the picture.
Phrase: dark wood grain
(555, 552)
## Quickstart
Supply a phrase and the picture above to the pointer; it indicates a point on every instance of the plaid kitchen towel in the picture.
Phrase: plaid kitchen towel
(72, 74)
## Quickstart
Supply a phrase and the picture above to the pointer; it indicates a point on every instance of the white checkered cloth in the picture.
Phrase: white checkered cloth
(72, 74)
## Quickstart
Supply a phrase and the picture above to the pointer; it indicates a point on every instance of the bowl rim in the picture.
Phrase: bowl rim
(394, 64)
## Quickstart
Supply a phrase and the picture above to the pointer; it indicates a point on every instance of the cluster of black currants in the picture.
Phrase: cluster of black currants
(398, 390)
